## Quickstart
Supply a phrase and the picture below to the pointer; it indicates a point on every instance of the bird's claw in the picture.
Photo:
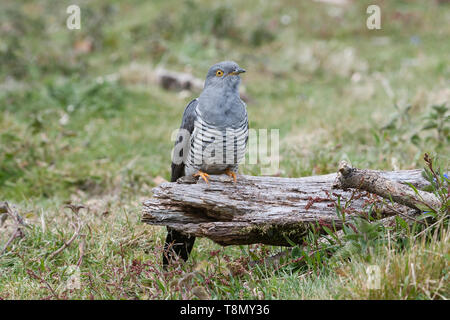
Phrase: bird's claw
(231, 174)
(202, 174)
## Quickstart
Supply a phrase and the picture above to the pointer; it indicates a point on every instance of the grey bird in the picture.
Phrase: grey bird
(212, 140)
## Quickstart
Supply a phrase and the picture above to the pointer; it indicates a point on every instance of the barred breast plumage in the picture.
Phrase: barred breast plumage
(214, 149)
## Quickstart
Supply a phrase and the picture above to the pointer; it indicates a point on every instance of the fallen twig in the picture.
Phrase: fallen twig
(373, 182)
(18, 233)
(7, 211)
(66, 244)
(32, 274)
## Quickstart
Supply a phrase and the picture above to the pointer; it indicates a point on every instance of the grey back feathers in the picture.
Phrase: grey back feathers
(187, 125)
(217, 123)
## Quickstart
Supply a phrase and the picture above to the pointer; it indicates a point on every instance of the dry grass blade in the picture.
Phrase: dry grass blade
(81, 249)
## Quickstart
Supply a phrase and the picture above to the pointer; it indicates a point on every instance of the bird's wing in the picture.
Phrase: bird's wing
(187, 123)
(246, 117)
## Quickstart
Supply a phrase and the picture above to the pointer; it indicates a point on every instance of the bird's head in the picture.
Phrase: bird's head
(225, 74)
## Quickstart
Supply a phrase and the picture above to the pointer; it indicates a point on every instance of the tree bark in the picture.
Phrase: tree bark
(271, 210)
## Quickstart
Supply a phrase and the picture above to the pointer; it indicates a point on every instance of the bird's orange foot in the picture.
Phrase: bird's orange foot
(202, 174)
(231, 174)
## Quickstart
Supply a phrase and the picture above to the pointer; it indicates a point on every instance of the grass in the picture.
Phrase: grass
(76, 128)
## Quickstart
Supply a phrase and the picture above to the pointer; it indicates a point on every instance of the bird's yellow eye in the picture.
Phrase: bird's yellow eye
(219, 73)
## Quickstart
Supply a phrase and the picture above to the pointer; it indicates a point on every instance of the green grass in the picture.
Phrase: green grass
(78, 125)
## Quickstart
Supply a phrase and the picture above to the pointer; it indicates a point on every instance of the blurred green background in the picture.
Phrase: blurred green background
(79, 113)
(81, 122)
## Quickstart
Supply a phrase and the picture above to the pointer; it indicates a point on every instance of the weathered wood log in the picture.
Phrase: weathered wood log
(263, 209)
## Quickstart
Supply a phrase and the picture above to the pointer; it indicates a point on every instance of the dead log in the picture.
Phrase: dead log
(168, 79)
(172, 80)
(265, 210)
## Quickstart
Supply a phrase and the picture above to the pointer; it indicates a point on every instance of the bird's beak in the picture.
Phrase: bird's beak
(237, 71)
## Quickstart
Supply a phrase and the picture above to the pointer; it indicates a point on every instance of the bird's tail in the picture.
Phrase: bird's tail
(177, 244)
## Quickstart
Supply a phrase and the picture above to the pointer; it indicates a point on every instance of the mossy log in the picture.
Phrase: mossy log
(269, 210)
